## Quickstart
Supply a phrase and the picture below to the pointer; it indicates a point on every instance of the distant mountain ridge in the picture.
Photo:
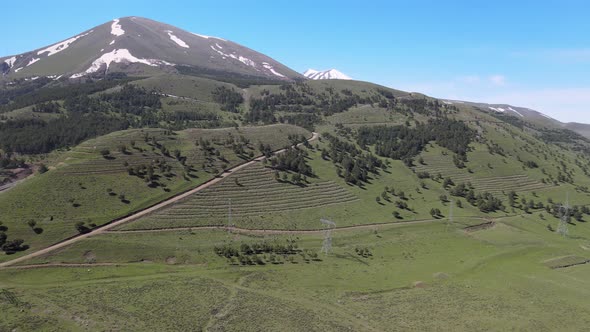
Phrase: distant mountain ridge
(330, 74)
(529, 115)
(140, 45)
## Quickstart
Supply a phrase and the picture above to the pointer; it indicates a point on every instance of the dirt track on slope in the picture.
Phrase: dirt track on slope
(141, 213)
(17, 176)
(239, 230)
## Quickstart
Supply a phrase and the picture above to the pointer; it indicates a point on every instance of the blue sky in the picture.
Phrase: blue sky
(528, 53)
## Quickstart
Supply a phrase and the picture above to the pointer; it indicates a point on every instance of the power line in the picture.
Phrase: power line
(565, 215)
(229, 224)
(327, 244)
(450, 223)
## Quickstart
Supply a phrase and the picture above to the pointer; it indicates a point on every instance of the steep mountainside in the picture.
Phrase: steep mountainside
(139, 45)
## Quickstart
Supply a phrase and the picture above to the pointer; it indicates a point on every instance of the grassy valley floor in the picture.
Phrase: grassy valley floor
(428, 276)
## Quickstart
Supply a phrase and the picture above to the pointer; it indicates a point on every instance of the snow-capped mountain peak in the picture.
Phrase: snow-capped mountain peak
(331, 74)
(132, 45)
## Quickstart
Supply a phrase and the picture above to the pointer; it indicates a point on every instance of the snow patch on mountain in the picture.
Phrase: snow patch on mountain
(118, 56)
(242, 59)
(33, 60)
(331, 74)
(207, 37)
(18, 69)
(310, 72)
(116, 28)
(503, 110)
(272, 70)
(246, 61)
(218, 51)
(515, 111)
(51, 50)
(177, 40)
(10, 61)
(112, 42)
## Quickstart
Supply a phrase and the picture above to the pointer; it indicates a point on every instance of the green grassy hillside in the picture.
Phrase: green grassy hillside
(502, 156)
(429, 276)
(446, 214)
(85, 186)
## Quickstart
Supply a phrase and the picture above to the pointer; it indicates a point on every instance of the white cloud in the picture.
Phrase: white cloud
(497, 79)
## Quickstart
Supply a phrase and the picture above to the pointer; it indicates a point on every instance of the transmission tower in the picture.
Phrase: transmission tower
(327, 245)
(565, 215)
(229, 216)
(450, 223)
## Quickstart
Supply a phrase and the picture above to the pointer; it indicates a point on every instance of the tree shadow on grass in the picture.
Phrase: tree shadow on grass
(351, 257)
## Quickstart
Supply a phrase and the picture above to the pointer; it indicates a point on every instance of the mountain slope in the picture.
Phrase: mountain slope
(140, 45)
(330, 74)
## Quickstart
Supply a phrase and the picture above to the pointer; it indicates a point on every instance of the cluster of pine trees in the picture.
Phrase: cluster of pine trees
(10, 246)
(305, 120)
(352, 164)
(86, 117)
(129, 100)
(403, 142)
(27, 93)
(263, 252)
(485, 202)
(47, 107)
(35, 136)
(299, 98)
(293, 160)
(229, 99)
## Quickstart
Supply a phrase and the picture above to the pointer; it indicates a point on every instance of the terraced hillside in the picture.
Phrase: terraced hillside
(443, 164)
(248, 194)
(114, 175)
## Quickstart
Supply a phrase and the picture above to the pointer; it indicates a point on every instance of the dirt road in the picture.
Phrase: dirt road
(142, 213)
(239, 230)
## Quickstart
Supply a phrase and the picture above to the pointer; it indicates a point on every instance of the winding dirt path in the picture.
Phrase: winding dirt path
(37, 266)
(139, 214)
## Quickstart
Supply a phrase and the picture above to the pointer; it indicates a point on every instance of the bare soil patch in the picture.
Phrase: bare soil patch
(479, 227)
(89, 256)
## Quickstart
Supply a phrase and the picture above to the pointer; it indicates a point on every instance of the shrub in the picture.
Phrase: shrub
(82, 228)
(43, 169)
(13, 246)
